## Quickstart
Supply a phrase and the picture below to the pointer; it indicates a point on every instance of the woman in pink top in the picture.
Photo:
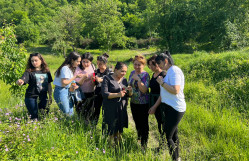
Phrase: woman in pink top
(87, 85)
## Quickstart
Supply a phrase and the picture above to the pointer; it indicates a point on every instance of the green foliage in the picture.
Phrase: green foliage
(26, 31)
(63, 30)
(214, 127)
(103, 23)
(12, 59)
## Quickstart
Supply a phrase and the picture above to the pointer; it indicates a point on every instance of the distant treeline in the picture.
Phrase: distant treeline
(176, 25)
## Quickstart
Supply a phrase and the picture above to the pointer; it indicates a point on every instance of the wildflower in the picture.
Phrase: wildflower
(52, 148)
(91, 137)
(10, 118)
(55, 118)
(104, 151)
(72, 121)
(97, 148)
(23, 134)
(77, 152)
(29, 139)
(6, 149)
(7, 114)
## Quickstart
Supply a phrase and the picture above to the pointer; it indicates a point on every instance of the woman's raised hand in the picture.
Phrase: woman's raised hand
(79, 75)
(19, 82)
(159, 80)
(136, 77)
(122, 93)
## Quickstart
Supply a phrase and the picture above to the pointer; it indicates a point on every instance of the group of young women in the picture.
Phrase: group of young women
(111, 90)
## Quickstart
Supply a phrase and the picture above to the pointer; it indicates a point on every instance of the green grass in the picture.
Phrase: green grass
(214, 127)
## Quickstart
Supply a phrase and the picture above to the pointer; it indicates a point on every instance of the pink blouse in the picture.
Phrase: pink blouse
(88, 85)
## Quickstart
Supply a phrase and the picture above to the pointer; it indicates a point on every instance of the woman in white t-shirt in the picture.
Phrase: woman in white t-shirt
(65, 79)
(172, 101)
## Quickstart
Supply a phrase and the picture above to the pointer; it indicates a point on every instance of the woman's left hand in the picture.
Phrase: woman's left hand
(136, 77)
(152, 110)
(159, 80)
(98, 79)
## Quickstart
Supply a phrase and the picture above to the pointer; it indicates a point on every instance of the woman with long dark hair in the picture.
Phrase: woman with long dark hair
(39, 78)
(65, 79)
(173, 105)
(155, 90)
(87, 85)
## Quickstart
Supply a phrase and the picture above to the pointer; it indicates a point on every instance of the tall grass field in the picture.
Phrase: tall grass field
(214, 127)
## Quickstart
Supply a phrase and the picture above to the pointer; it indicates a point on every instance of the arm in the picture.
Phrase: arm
(142, 87)
(173, 89)
(83, 78)
(49, 94)
(107, 94)
(65, 81)
(152, 110)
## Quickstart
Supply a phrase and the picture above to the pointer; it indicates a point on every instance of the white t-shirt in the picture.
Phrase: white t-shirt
(174, 77)
(66, 72)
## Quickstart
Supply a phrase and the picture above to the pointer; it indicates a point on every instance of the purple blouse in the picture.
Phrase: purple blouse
(138, 97)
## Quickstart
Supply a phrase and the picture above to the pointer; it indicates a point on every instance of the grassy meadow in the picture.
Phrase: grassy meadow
(214, 127)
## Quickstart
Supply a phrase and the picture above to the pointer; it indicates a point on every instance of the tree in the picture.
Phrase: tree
(12, 59)
(103, 23)
(63, 30)
(27, 31)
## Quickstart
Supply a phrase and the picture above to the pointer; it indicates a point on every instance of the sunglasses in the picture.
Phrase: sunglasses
(139, 56)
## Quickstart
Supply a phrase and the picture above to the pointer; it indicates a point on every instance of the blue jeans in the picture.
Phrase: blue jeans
(33, 106)
(62, 98)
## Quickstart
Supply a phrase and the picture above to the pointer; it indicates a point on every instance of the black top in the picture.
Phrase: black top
(38, 82)
(101, 75)
(154, 86)
(114, 110)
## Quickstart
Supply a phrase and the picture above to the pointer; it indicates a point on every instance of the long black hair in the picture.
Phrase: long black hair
(163, 56)
(68, 61)
(31, 68)
(85, 56)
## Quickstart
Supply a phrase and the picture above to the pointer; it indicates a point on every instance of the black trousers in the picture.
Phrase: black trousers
(171, 119)
(86, 110)
(158, 115)
(98, 101)
(140, 117)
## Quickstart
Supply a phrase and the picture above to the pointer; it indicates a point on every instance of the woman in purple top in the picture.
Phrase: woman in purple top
(139, 81)
(87, 84)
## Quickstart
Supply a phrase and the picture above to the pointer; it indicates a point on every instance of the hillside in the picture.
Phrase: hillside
(215, 126)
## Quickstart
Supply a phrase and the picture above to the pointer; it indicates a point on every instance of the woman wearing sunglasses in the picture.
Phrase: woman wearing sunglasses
(139, 81)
